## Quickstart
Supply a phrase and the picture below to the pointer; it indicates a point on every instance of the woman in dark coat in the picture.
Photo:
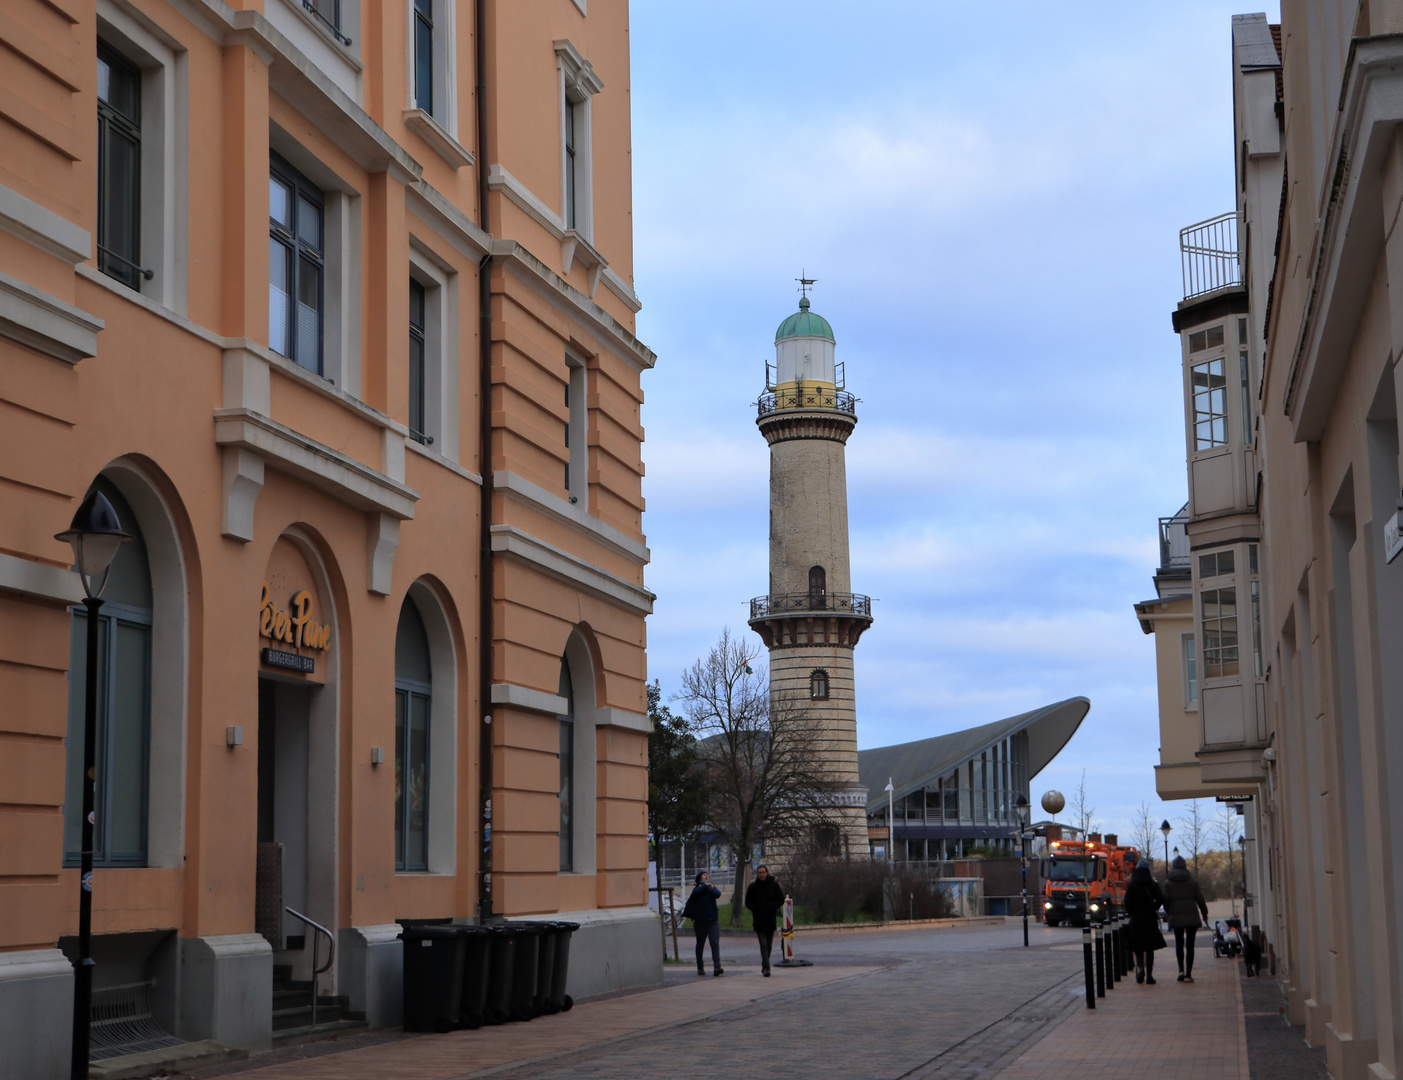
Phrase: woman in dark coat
(706, 921)
(764, 898)
(1142, 902)
(1184, 904)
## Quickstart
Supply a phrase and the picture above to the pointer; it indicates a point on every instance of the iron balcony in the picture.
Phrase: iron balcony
(827, 603)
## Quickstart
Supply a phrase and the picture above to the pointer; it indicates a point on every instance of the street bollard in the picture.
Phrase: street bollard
(1115, 948)
(1100, 962)
(786, 938)
(1108, 940)
(1086, 965)
(1127, 962)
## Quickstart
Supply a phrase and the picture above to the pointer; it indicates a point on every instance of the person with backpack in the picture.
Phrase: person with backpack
(1187, 910)
(706, 921)
(764, 898)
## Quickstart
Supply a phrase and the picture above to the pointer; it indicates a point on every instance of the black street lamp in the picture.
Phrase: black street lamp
(95, 534)
(1166, 830)
(1024, 814)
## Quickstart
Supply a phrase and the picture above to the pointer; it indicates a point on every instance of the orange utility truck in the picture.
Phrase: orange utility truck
(1085, 875)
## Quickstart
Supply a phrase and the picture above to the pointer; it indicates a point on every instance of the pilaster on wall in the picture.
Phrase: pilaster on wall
(244, 214)
(387, 296)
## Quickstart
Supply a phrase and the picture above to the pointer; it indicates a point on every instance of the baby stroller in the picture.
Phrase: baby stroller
(1227, 937)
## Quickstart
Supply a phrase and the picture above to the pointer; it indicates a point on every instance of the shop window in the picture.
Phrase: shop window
(296, 266)
(123, 707)
(413, 707)
(567, 771)
(818, 685)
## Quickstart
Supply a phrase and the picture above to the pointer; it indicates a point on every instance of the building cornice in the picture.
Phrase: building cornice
(567, 513)
(511, 541)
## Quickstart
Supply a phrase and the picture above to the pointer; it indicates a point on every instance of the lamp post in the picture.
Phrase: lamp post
(891, 821)
(1024, 814)
(95, 535)
(1242, 859)
(1166, 830)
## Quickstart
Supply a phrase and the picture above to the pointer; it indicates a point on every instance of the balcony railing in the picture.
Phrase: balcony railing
(807, 397)
(1208, 255)
(828, 603)
(1174, 540)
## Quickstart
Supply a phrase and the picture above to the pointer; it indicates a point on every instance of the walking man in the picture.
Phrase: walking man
(1184, 904)
(764, 898)
(706, 921)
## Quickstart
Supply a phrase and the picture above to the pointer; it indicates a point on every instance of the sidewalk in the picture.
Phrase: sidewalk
(1169, 1031)
(462, 1054)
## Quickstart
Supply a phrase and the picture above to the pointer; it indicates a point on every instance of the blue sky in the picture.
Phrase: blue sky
(991, 208)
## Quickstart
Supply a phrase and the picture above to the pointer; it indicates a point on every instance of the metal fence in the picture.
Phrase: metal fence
(830, 602)
(1174, 541)
(807, 397)
(1208, 255)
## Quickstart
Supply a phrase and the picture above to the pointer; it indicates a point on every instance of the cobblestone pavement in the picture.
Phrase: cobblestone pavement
(922, 1005)
(1275, 1049)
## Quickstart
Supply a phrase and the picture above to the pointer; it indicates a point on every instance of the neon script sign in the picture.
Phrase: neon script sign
(294, 626)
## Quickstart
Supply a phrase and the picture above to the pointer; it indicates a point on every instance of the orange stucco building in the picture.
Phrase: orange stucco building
(334, 301)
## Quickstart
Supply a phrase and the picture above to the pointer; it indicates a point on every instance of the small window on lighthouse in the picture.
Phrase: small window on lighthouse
(818, 684)
(818, 587)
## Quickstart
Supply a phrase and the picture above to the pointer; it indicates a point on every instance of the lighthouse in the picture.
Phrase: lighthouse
(811, 620)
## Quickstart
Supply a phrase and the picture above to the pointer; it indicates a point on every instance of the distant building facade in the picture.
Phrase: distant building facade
(349, 346)
(1279, 637)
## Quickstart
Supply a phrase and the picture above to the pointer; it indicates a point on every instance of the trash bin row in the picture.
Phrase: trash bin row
(467, 976)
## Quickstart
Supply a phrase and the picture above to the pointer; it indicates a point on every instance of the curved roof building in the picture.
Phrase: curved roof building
(955, 792)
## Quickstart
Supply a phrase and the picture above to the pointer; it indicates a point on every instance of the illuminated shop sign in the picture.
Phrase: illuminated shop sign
(294, 627)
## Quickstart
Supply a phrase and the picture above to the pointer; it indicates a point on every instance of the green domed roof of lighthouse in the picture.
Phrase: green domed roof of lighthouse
(804, 323)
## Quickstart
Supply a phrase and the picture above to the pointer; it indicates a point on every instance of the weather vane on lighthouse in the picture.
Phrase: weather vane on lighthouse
(805, 283)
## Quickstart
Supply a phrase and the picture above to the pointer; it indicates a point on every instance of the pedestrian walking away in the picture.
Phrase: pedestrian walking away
(1142, 903)
(706, 921)
(1187, 911)
(763, 899)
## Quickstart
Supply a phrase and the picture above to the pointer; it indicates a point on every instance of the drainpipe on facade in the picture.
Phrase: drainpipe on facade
(485, 577)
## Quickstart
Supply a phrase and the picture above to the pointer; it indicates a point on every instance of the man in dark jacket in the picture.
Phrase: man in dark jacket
(764, 898)
(1142, 901)
(706, 921)
(1185, 907)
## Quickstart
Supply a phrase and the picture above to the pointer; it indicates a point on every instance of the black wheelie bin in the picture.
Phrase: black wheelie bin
(434, 959)
(525, 969)
(477, 971)
(556, 998)
(497, 1004)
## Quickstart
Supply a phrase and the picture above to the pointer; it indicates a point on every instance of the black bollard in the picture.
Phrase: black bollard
(1108, 941)
(1100, 963)
(1127, 961)
(1113, 961)
(1086, 965)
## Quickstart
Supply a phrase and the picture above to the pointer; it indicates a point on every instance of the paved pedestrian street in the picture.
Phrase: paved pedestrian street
(934, 1004)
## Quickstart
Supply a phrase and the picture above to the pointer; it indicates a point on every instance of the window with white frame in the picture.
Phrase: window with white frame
(424, 55)
(296, 265)
(1209, 404)
(433, 372)
(141, 158)
(1219, 608)
(578, 85)
(431, 77)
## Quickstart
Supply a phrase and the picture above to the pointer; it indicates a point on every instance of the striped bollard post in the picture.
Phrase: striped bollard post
(786, 938)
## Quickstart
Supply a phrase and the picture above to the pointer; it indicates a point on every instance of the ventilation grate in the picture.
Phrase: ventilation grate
(122, 1023)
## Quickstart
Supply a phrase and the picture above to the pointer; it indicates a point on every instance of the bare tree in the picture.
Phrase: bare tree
(763, 762)
(1226, 826)
(1193, 828)
(1142, 830)
(1083, 813)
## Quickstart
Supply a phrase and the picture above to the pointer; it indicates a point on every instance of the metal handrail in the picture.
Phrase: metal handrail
(331, 954)
(1208, 255)
(829, 603)
(1174, 541)
(806, 397)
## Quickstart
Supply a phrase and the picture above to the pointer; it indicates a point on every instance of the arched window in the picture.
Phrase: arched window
(818, 587)
(567, 771)
(123, 706)
(818, 684)
(827, 840)
(413, 702)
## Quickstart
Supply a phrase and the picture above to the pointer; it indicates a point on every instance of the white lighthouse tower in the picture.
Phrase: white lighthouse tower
(811, 619)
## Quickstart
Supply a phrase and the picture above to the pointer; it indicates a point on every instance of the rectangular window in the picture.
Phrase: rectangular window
(1219, 632)
(424, 55)
(119, 169)
(1190, 673)
(1256, 630)
(417, 350)
(576, 433)
(1206, 339)
(571, 185)
(951, 794)
(123, 722)
(1246, 397)
(296, 265)
(411, 777)
(1210, 404)
(328, 13)
(1215, 563)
